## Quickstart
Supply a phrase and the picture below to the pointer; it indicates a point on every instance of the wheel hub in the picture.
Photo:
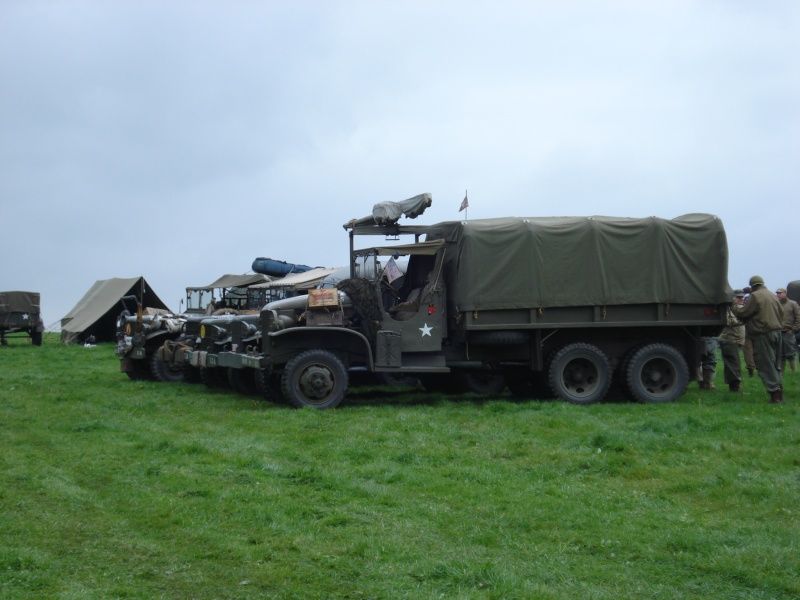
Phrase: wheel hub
(317, 382)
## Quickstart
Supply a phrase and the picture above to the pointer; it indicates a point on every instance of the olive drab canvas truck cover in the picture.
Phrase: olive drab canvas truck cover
(20, 312)
(541, 262)
(19, 302)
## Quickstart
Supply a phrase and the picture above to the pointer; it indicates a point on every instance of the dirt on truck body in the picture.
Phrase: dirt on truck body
(551, 306)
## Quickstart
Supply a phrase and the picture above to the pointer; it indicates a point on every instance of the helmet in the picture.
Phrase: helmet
(756, 280)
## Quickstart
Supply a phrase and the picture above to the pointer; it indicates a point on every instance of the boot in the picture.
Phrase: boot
(750, 371)
(793, 363)
(708, 381)
(735, 386)
(776, 397)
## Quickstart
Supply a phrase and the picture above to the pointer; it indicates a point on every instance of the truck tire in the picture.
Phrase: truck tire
(528, 384)
(269, 385)
(580, 374)
(621, 375)
(657, 373)
(314, 378)
(163, 371)
(36, 338)
(213, 377)
(140, 372)
(191, 374)
(242, 381)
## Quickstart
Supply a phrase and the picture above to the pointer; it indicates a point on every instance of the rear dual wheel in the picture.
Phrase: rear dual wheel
(656, 373)
(579, 373)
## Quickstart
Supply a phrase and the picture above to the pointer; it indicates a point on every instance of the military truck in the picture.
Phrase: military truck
(214, 334)
(20, 313)
(557, 306)
(147, 343)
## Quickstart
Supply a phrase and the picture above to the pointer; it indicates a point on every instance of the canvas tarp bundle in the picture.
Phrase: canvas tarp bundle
(384, 213)
(22, 302)
(300, 281)
(96, 313)
(230, 281)
(541, 262)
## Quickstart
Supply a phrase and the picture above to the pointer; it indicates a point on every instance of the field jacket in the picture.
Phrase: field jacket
(761, 313)
(791, 315)
(733, 332)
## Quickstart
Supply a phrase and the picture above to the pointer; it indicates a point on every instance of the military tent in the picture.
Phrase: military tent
(96, 313)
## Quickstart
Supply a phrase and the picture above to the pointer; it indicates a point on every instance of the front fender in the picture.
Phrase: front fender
(280, 346)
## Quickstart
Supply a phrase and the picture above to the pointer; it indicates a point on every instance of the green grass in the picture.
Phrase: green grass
(111, 488)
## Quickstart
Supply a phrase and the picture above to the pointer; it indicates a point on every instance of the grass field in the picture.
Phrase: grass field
(118, 489)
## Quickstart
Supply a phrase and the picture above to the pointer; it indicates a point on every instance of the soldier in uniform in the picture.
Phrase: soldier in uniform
(763, 317)
(749, 359)
(708, 364)
(731, 342)
(791, 325)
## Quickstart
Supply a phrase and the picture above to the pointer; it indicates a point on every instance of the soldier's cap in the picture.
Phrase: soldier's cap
(738, 293)
(779, 290)
(756, 280)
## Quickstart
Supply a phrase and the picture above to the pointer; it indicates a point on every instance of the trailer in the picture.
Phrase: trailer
(20, 313)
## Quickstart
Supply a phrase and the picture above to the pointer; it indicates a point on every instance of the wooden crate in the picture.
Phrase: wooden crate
(326, 298)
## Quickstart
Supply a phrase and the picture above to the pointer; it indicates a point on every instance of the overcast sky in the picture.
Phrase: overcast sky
(181, 140)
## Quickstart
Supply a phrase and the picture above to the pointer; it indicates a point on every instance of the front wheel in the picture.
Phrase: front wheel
(268, 385)
(163, 370)
(214, 377)
(139, 370)
(580, 374)
(657, 373)
(242, 381)
(315, 378)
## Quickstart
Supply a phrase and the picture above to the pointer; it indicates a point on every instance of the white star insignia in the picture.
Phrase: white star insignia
(426, 330)
(25, 317)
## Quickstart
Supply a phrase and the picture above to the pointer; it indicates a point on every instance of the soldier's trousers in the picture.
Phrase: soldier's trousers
(708, 360)
(749, 359)
(788, 344)
(731, 361)
(767, 349)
